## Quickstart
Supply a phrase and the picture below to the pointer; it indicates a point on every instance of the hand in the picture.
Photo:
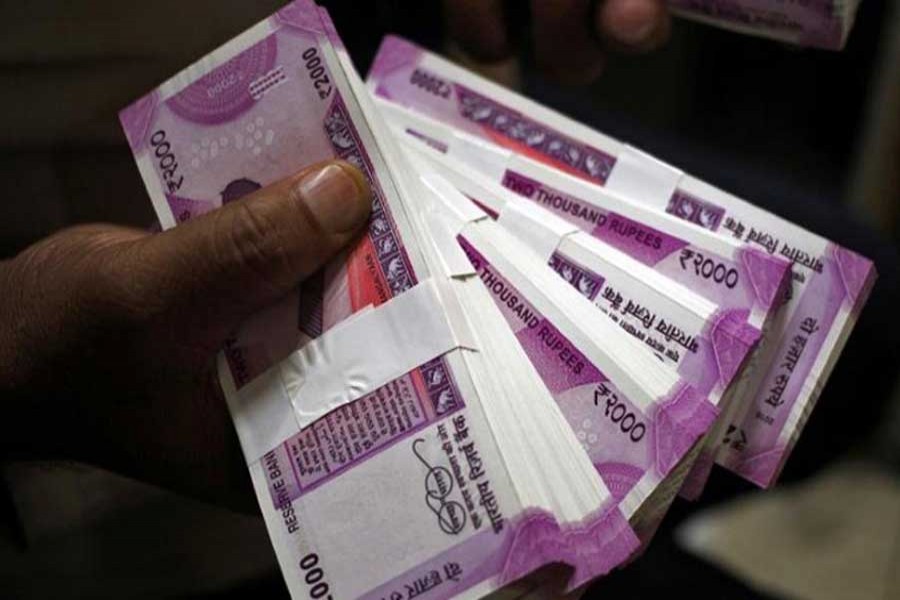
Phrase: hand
(108, 335)
(570, 36)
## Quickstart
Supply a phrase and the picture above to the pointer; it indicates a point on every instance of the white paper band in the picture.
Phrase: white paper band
(263, 418)
(379, 346)
(443, 230)
(352, 359)
(537, 228)
(452, 199)
(641, 176)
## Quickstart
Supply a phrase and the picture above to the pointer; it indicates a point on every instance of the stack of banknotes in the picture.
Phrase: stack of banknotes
(543, 336)
(818, 24)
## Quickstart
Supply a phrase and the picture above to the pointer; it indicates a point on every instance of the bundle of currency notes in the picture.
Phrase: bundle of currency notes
(823, 24)
(541, 338)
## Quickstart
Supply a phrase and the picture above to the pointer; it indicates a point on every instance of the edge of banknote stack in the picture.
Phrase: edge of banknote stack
(824, 25)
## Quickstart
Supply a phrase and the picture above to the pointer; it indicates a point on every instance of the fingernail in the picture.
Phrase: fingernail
(631, 22)
(338, 197)
(637, 33)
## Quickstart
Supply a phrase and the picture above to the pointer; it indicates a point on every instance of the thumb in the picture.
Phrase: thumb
(244, 256)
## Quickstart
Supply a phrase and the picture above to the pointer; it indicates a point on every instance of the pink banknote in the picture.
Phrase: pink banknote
(830, 283)
(402, 491)
(208, 136)
(630, 447)
(819, 23)
(709, 346)
(634, 438)
(742, 280)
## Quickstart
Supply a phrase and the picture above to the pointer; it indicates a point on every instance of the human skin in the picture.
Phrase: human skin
(571, 38)
(108, 335)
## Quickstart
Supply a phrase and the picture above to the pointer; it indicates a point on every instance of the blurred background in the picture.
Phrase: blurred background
(812, 135)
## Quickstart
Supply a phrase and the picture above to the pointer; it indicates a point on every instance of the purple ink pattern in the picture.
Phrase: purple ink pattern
(586, 282)
(765, 467)
(300, 15)
(536, 542)
(768, 275)
(596, 549)
(382, 232)
(602, 543)
(590, 161)
(185, 209)
(224, 93)
(441, 387)
(857, 275)
(430, 141)
(815, 23)
(693, 209)
(395, 53)
(620, 478)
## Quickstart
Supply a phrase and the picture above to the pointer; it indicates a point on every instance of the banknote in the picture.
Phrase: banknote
(830, 283)
(823, 24)
(733, 341)
(711, 348)
(745, 281)
(219, 130)
(635, 428)
(587, 533)
(732, 275)
(706, 344)
(830, 286)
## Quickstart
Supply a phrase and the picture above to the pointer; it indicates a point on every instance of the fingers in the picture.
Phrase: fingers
(569, 42)
(564, 47)
(206, 277)
(191, 285)
(249, 253)
(632, 25)
(123, 325)
(570, 36)
(479, 27)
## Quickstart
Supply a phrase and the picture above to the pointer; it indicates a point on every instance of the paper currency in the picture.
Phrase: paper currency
(438, 414)
(635, 417)
(824, 24)
(745, 281)
(830, 283)
(733, 275)
(591, 535)
(380, 470)
(219, 130)
(710, 347)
